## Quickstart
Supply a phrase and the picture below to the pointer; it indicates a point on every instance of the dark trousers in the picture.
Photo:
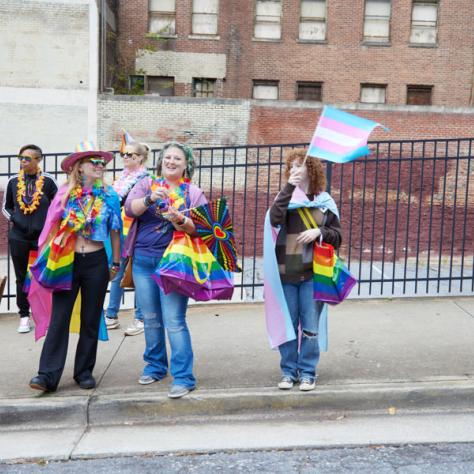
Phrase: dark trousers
(19, 251)
(91, 276)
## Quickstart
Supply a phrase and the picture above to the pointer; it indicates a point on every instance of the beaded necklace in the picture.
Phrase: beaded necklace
(85, 207)
(127, 180)
(28, 200)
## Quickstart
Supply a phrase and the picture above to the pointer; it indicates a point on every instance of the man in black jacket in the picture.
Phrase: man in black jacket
(25, 204)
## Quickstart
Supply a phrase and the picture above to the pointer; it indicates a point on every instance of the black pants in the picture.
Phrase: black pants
(91, 276)
(19, 251)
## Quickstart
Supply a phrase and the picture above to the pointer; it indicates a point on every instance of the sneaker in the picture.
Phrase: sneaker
(178, 391)
(112, 323)
(286, 383)
(137, 327)
(307, 384)
(24, 325)
(147, 380)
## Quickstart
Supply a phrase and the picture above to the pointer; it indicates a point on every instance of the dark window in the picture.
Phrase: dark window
(161, 85)
(419, 95)
(203, 87)
(309, 91)
(136, 84)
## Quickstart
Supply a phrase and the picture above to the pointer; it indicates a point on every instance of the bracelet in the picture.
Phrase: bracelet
(182, 222)
(147, 201)
(115, 267)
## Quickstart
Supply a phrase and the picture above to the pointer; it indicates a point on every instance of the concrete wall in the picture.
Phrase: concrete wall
(48, 73)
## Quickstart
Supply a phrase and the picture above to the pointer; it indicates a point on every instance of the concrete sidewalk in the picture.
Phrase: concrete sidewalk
(406, 353)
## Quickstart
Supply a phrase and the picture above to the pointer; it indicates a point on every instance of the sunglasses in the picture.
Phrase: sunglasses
(28, 159)
(128, 155)
(97, 162)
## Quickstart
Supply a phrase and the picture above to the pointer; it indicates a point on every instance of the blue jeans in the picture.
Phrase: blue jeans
(163, 312)
(304, 312)
(116, 294)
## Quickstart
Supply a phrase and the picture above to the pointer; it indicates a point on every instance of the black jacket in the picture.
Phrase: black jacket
(27, 227)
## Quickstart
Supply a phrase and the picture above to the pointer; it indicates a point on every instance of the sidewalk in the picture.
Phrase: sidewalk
(406, 353)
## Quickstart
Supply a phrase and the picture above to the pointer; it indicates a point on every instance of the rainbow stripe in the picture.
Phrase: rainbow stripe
(127, 223)
(32, 256)
(85, 146)
(53, 268)
(341, 137)
(189, 268)
(125, 140)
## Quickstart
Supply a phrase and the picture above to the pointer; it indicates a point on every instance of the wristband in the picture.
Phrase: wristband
(147, 201)
(182, 222)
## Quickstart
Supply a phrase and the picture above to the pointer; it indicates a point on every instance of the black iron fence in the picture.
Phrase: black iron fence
(407, 211)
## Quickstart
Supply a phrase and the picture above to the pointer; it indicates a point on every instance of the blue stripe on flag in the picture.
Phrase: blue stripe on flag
(348, 119)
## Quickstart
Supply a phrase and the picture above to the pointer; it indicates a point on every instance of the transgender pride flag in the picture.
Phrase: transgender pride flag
(341, 137)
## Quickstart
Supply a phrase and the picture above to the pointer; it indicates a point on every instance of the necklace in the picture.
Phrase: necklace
(85, 208)
(127, 180)
(29, 200)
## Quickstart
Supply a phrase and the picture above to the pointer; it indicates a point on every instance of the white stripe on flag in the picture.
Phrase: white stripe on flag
(339, 138)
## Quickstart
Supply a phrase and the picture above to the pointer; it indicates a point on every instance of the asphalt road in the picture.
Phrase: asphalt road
(410, 459)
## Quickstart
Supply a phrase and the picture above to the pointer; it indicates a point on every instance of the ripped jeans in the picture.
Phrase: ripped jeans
(304, 312)
(163, 312)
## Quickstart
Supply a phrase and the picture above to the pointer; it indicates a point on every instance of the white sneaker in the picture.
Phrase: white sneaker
(137, 327)
(112, 323)
(307, 384)
(285, 383)
(24, 325)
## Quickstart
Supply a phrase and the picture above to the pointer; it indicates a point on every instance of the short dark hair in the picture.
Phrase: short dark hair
(32, 147)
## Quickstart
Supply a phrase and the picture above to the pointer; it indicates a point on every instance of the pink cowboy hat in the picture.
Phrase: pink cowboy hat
(84, 150)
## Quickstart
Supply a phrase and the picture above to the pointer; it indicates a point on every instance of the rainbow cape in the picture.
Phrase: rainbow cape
(277, 315)
(32, 256)
(40, 297)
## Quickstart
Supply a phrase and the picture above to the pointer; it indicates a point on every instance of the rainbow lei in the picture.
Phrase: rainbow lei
(21, 193)
(176, 197)
(85, 208)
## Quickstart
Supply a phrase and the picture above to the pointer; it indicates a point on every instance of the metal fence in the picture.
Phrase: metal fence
(407, 212)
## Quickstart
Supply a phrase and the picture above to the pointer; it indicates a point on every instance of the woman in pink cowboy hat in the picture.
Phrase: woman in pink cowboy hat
(83, 215)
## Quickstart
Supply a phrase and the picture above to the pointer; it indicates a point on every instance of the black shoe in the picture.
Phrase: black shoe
(87, 384)
(38, 383)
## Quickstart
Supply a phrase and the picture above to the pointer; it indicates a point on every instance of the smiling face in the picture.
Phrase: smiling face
(174, 164)
(92, 168)
(131, 159)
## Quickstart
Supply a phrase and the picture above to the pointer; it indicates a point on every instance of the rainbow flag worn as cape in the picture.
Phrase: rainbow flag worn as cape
(277, 315)
(32, 256)
(341, 137)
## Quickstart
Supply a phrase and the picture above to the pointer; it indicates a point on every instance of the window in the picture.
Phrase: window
(377, 21)
(161, 85)
(205, 17)
(309, 91)
(373, 93)
(419, 95)
(424, 20)
(265, 90)
(268, 19)
(203, 87)
(162, 17)
(313, 20)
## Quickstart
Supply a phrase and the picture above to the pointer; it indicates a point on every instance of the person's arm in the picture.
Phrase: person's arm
(280, 205)
(8, 203)
(136, 204)
(331, 230)
(115, 241)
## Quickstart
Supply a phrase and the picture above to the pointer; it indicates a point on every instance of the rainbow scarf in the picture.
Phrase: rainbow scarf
(277, 315)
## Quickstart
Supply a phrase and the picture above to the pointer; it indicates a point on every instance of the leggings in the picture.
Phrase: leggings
(91, 276)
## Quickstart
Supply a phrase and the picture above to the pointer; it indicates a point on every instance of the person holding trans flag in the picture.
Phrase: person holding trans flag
(134, 156)
(84, 214)
(302, 213)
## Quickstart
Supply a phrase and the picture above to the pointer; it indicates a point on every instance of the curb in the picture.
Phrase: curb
(140, 408)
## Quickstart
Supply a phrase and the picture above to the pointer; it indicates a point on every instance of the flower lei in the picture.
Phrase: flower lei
(21, 193)
(127, 180)
(85, 207)
(176, 198)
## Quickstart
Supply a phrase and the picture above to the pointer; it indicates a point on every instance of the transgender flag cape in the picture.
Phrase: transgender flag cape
(277, 316)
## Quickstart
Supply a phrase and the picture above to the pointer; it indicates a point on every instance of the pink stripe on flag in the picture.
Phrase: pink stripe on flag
(343, 128)
(332, 147)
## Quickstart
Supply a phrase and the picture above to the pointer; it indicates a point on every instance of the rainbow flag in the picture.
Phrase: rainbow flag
(127, 223)
(126, 140)
(32, 256)
(341, 137)
(53, 268)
